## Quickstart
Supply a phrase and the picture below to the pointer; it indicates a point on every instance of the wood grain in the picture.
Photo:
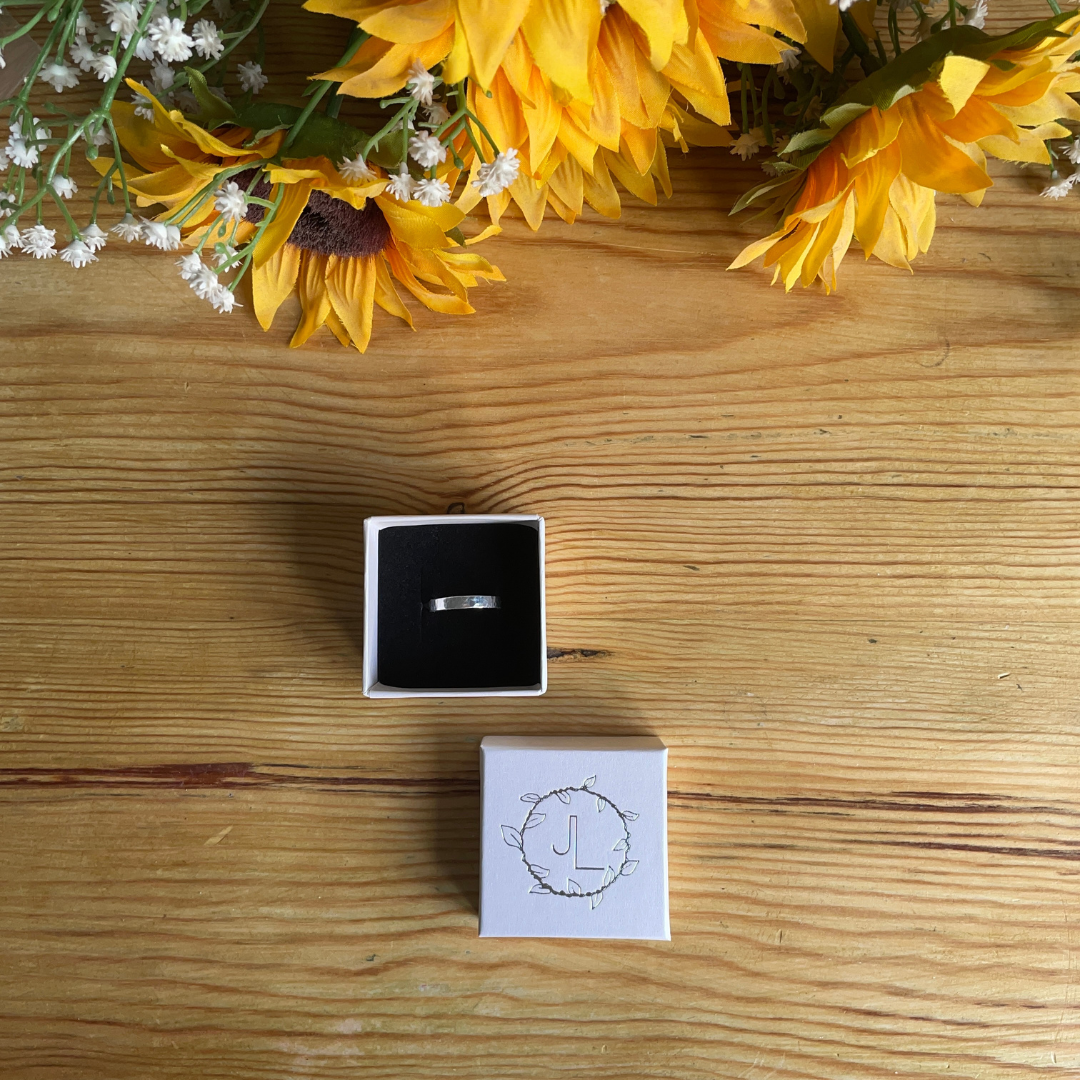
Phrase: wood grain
(825, 547)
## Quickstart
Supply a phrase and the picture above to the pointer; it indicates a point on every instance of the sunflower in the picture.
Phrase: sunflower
(876, 176)
(338, 244)
(586, 91)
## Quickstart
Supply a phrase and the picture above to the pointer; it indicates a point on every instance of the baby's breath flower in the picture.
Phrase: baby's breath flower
(84, 24)
(231, 202)
(64, 186)
(10, 240)
(82, 53)
(158, 234)
(1073, 151)
(94, 237)
(127, 229)
(78, 254)
(495, 176)
(39, 242)
(436, 114)
(401, 185)
(208, 42)
(104, 66)
(144, 49)
(976, 14)
(421, 83)
(223, 299)
(123, 16)
(203, 281)
(1059, 188)
(426, 150)
(789, 60)
(59, 76)
(144, 107)
(190, 264)
(251, 77)
(224, 255)
(170, 41)
(749, 143)
(356, 170)
(432, 192)
(163, 76)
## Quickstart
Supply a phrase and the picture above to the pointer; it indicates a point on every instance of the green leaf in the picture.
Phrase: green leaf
(211, 108)
(456, 235)
(750, 197)
(321, 135)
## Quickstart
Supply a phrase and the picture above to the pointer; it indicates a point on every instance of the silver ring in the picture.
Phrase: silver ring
(464, 603)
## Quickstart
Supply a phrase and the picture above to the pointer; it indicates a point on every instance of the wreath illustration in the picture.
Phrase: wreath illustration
(587, 844)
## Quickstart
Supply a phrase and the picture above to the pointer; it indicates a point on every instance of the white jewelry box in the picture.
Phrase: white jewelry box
(489, 650)
(574, 838)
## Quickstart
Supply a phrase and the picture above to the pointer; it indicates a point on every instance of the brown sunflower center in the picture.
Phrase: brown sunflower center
(329, 226)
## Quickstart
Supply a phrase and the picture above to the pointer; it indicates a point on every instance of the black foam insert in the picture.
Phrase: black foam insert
(457, 650)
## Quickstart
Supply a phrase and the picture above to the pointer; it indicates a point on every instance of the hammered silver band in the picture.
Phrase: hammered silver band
(464, 603)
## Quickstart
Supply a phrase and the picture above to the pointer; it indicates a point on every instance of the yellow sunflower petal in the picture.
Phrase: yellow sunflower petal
(272, 283)
(489, 27)
(410, 23)
(283, 222)
(350, 284)
(386, 295)
(446, 303)
(562, 35)
(314, 299)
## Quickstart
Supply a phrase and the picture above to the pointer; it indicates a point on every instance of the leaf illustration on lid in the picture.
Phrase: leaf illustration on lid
(629, 866)
(534, 820)
(630, 815)
(511, 836)
(572, 887)
(563, 797)
(609, 877)
(621, 845)
(594, 900)
(600, 804)
(530, 797)
(589, 783)
(539, 871)
(540, 887)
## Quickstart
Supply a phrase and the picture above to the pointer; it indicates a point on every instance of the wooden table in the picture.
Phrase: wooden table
(825, 547)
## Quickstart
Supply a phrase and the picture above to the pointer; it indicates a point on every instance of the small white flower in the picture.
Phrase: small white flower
(3, 62)
(84, 24)
(5, 161)
(82, 54)
(749, 143)
(186, 101)
(1059, 188)
(64, 186)
(604, 5)
(190, 264)
(127, 229)
(219, 93)
(421, 83)
(144, 107)
(10, 240)
(94, 237)
(356, 170)
(208, 42)
(170, 41)
(1073, 151)
(251, 77)
(59, 76)
(144, 50)
(495, 176)
(432, 192)
(224, 255)
(203, 281)
(26, 157)
(222, 298)
(78, 254)
(231, 202)
(99, 136)
(123, 17)
(158, 234)
(163, 76)
(789, 60)
(436, 114)
(104, 67)
(222, 8)
(843, 4)
(39, 242)
(7, 204)
(976, 15)
(401, 185)
(426, 150)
